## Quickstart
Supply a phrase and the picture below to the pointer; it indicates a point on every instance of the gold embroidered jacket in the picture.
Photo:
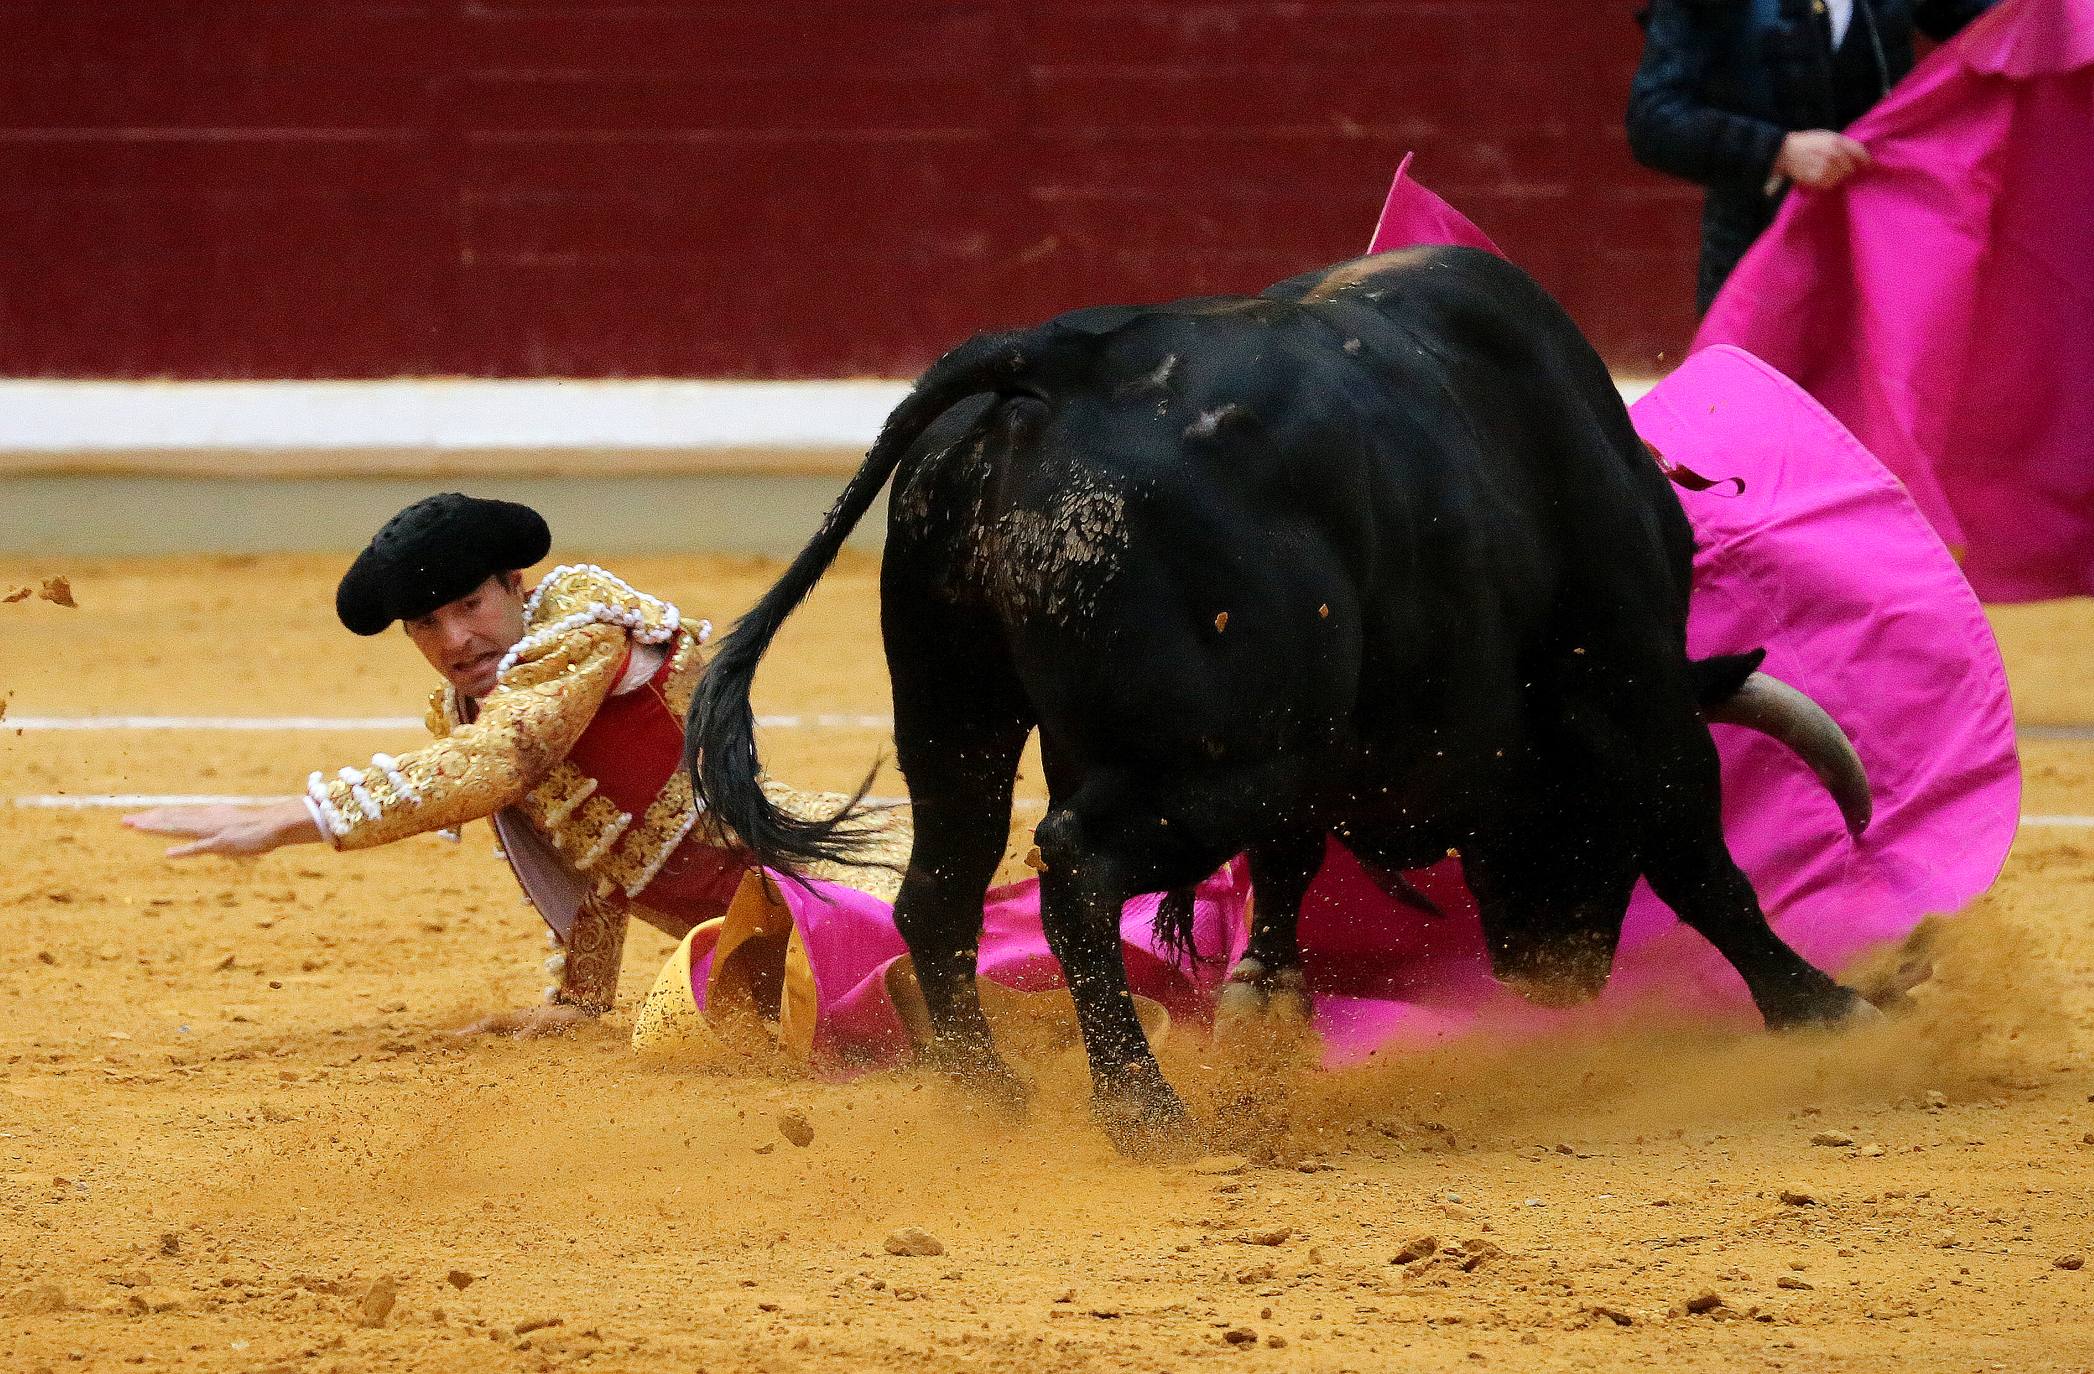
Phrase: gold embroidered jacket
(513, 752)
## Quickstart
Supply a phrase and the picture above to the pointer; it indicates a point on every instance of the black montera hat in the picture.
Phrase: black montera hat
(434, 552)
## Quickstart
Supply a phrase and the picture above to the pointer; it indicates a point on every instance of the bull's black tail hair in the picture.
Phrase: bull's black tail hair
(720, 731)
(1717, 678)
(1174, 933)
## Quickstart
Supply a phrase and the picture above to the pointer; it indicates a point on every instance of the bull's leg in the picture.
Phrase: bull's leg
(1082, 889)
(1551, 902)
(962, 824)
(1269, 976)
(1691, 870)
(1705, 887)
(960, 723)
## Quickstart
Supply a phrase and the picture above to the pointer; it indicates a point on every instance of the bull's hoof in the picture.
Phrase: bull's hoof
(1254, 994)
(1890, 989)
(1831, 1007)
(982, 1075)
(1149, 1124)
(1557, 994)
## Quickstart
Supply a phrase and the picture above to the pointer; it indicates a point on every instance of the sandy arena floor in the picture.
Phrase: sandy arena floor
(232, 1126)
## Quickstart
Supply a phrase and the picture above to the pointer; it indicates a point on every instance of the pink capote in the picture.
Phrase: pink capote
(1822, 558)
(1941, 303)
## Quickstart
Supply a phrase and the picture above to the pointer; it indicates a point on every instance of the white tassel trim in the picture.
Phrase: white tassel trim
(402, 788)
(633, 618)
(556, 816)
(316, 788)
(369, 804)
(604, 841)
(653, 866)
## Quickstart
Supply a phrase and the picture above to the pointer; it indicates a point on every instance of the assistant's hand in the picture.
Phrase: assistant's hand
(1820, 159)
(236, 831)
(530, 1023)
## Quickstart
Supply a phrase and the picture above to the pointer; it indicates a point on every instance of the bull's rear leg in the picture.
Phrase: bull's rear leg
(1691, 870)
(1082, 890)
(961, 827)
(1268, 979)
(960, 724)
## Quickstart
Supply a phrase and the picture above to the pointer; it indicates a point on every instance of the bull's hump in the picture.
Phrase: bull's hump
(1358, 272)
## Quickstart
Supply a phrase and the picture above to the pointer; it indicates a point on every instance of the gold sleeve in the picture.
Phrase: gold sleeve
(524, 729)
(442, 716)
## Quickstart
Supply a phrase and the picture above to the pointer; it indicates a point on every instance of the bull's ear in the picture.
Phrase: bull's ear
(1718, 678)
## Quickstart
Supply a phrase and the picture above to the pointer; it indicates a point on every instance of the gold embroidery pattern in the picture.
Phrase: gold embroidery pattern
(648, 845)
(551, 802)
(594, 949)
(686, 664)
(441, 718)
(886, 857)
(577, 595)
(595, 827)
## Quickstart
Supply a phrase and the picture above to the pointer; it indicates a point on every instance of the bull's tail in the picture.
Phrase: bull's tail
(720, 732)
(1731, 690)
(1175, 938)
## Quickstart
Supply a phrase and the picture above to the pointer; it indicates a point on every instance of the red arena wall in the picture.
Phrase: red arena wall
(262, 188)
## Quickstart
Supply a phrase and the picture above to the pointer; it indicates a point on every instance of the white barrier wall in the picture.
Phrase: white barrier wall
(100, 468)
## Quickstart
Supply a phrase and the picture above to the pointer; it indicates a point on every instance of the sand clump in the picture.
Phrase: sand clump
(796, 1128)
(914, 1242)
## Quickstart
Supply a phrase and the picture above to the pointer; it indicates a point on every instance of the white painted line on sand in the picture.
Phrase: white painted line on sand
(822, 721)
(89, 801)
(93, 801)
(2055, 731)
(211, 723)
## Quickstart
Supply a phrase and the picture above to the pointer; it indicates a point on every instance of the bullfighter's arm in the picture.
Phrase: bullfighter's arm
(1672, 126)
(525, 727)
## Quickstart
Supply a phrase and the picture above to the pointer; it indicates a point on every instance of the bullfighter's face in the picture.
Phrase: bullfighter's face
(465, 639)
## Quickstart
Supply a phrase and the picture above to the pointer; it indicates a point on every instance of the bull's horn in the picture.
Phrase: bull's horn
(1788, 717)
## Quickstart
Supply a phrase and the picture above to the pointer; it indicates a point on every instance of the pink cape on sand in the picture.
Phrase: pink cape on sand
(1821, 557)
(1941, 303)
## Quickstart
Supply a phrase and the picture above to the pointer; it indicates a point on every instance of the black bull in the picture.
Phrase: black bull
(1376, 554)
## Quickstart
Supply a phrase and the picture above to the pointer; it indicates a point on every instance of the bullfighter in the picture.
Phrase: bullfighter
(561, 721)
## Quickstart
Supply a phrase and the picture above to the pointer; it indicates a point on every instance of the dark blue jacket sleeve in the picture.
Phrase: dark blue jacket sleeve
(1672, 126)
